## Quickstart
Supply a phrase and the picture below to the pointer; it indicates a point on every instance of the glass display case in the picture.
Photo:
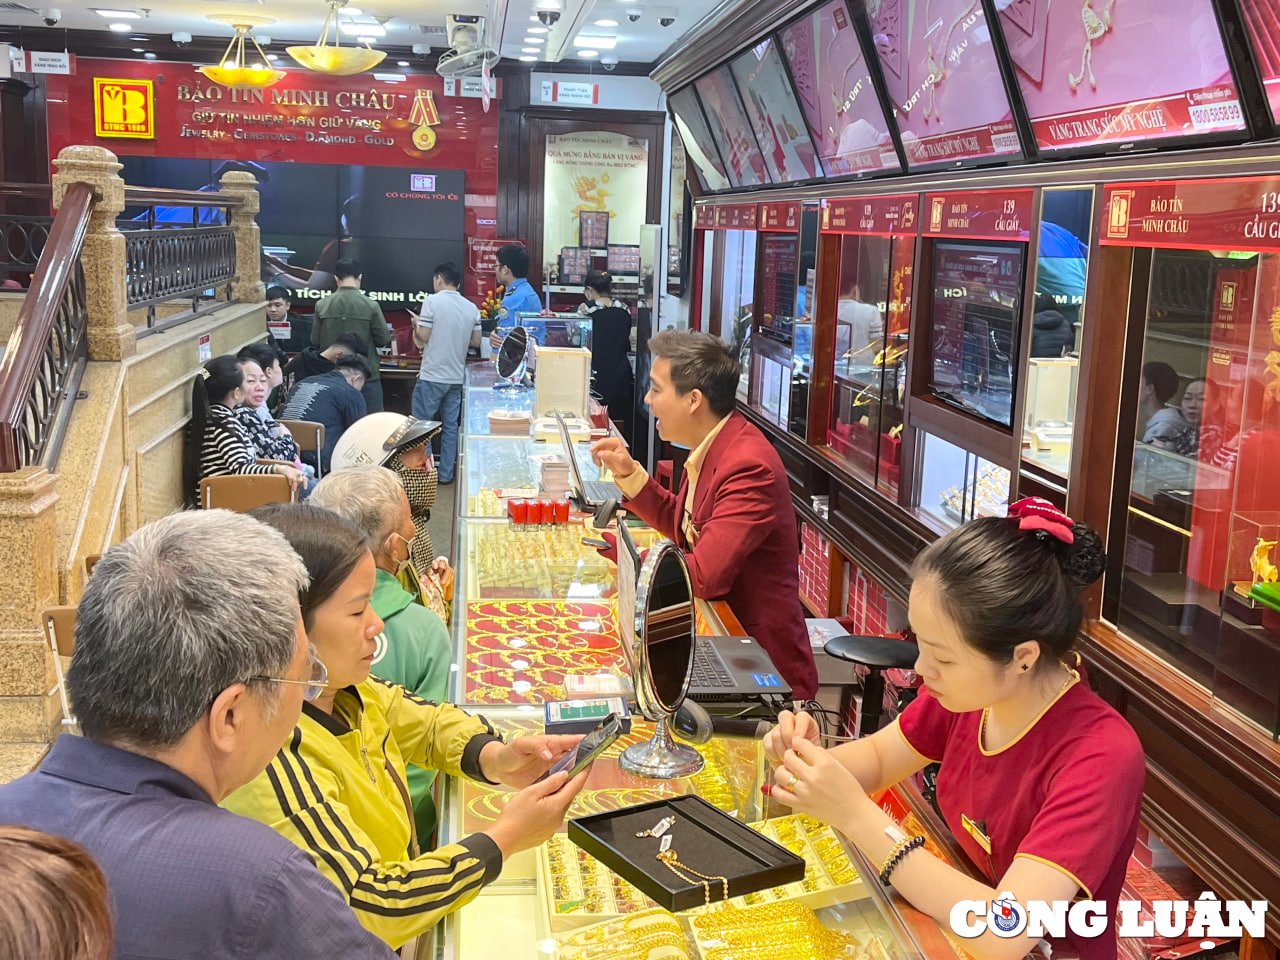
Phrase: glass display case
(1197, 581)
(533, 607)
(870, 313)
(1057, 328)
(956, 486)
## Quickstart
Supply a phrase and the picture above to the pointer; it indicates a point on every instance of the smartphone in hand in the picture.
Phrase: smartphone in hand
(589, 748)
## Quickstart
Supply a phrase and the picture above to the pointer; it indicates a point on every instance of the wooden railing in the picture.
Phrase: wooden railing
(170, 258)
(44, 360)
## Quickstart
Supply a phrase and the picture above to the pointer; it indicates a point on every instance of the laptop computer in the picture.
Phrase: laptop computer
(726, 670)
(589, 494)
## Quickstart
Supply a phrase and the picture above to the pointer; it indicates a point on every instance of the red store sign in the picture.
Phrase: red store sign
(780, 216)
(1236, 213)
(892, 216)
(979, 215)
(736, 216)
(704, 217)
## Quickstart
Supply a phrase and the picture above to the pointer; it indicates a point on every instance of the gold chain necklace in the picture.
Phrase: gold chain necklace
(1095, 28)
(1072, 677)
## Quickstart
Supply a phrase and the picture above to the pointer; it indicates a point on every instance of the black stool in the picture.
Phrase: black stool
(877, 654)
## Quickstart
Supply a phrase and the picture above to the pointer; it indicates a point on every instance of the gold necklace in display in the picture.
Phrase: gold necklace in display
(1072, 677)
(1095, 28)
(936, 61)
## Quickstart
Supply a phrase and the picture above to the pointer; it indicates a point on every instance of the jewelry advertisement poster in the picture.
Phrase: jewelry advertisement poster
(834, 88)
(1263, 21)
(775, 117)
(941, 73)
(1089, 70)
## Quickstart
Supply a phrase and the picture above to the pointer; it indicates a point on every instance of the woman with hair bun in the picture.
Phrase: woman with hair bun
(1040, 780)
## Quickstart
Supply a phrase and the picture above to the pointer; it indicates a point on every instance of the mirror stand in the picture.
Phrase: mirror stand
(661, 758)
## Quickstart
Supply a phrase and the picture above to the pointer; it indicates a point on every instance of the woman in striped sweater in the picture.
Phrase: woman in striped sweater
(217, 443)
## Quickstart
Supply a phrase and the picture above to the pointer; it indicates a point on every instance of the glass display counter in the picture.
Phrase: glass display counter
(534, 606)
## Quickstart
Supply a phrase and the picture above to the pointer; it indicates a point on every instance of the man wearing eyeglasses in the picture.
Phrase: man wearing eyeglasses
(186, 679)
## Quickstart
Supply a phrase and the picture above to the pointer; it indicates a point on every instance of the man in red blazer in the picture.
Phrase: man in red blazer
(733, 515)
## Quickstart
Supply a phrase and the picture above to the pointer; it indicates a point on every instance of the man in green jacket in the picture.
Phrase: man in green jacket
(347, 310)
(414, 649)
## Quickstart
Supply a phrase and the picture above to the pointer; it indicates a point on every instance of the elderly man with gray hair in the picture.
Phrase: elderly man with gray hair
(414, 648)
(187, 679)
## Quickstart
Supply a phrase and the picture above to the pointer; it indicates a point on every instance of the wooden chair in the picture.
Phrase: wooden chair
(60, 630)
(309, 436)
(243, 492)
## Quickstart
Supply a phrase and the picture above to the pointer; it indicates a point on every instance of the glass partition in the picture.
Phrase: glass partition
(1053, 368)
(1195, 580)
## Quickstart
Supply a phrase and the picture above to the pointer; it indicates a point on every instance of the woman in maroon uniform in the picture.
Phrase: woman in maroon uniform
(1040, 780)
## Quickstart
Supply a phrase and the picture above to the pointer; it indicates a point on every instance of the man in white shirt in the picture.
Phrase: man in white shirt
(448, 325)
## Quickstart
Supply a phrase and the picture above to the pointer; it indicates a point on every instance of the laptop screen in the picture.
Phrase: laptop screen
(628, 577)
(574, 473)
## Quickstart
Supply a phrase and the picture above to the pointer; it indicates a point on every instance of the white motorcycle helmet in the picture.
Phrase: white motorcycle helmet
(372, 440)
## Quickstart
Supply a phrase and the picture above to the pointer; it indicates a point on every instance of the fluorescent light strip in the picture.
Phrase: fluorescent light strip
(118, 14)
(595, 43)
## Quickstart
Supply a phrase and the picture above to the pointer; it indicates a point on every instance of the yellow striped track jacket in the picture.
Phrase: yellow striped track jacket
(338, 790)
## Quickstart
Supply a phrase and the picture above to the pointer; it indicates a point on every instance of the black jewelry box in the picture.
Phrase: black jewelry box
(703, 839)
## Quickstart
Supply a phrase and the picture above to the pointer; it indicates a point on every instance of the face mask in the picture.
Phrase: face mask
(408, 554)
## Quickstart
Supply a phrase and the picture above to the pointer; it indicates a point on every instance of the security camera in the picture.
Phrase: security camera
(634, 14)
(666, 21)
(666, 15)
(609, 63)
(52, 16)
(181, 38)
(549, 18)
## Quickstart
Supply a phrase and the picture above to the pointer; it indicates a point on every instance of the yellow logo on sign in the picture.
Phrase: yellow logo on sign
(1228, 298)
(1118, 216)
(124, 108)
(935, 214)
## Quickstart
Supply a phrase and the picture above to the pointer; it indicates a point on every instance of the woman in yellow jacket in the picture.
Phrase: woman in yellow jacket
(338, 788)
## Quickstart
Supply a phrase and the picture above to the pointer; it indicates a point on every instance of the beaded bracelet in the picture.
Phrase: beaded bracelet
(897, 855)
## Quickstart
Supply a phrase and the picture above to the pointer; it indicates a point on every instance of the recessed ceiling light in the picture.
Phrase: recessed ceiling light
(530, 50)
(606, 23)
(273, 56)
(368, 40)
(588, 53)
(363, 29)
(595, 43)
(534, 40)
(138, 50)
(148, 56)
(527, 60)
(539, 30)
(119, 27)
(402, 63)
(118, 14)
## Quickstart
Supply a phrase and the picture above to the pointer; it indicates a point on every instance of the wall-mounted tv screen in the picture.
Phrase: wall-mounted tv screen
(775, 116)
(1114, 72)
(833, 85)
(943, 80)
(731, 129)
(1263, 18)
(697, 139)
(973, 333)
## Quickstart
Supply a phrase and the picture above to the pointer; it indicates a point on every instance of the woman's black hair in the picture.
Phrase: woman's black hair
(260, 353)
(1004, 586)
(330, 547)
(222, 375)
(600, 282)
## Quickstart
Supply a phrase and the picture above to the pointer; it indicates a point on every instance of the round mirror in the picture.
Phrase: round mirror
(662, 661)
(512, 354)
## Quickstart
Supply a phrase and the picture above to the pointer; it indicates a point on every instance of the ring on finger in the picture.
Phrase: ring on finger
(792, 781)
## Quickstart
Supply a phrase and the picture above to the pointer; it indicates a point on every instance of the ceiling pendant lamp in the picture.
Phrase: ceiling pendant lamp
(333, 58)
(234, 70)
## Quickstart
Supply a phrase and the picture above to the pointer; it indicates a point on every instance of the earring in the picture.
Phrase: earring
(1025, 668)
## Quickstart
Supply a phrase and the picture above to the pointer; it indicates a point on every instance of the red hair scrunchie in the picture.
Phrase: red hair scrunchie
(1037, 514)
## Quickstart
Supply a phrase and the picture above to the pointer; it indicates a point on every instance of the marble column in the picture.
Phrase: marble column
(110, 335)
(248, 287)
